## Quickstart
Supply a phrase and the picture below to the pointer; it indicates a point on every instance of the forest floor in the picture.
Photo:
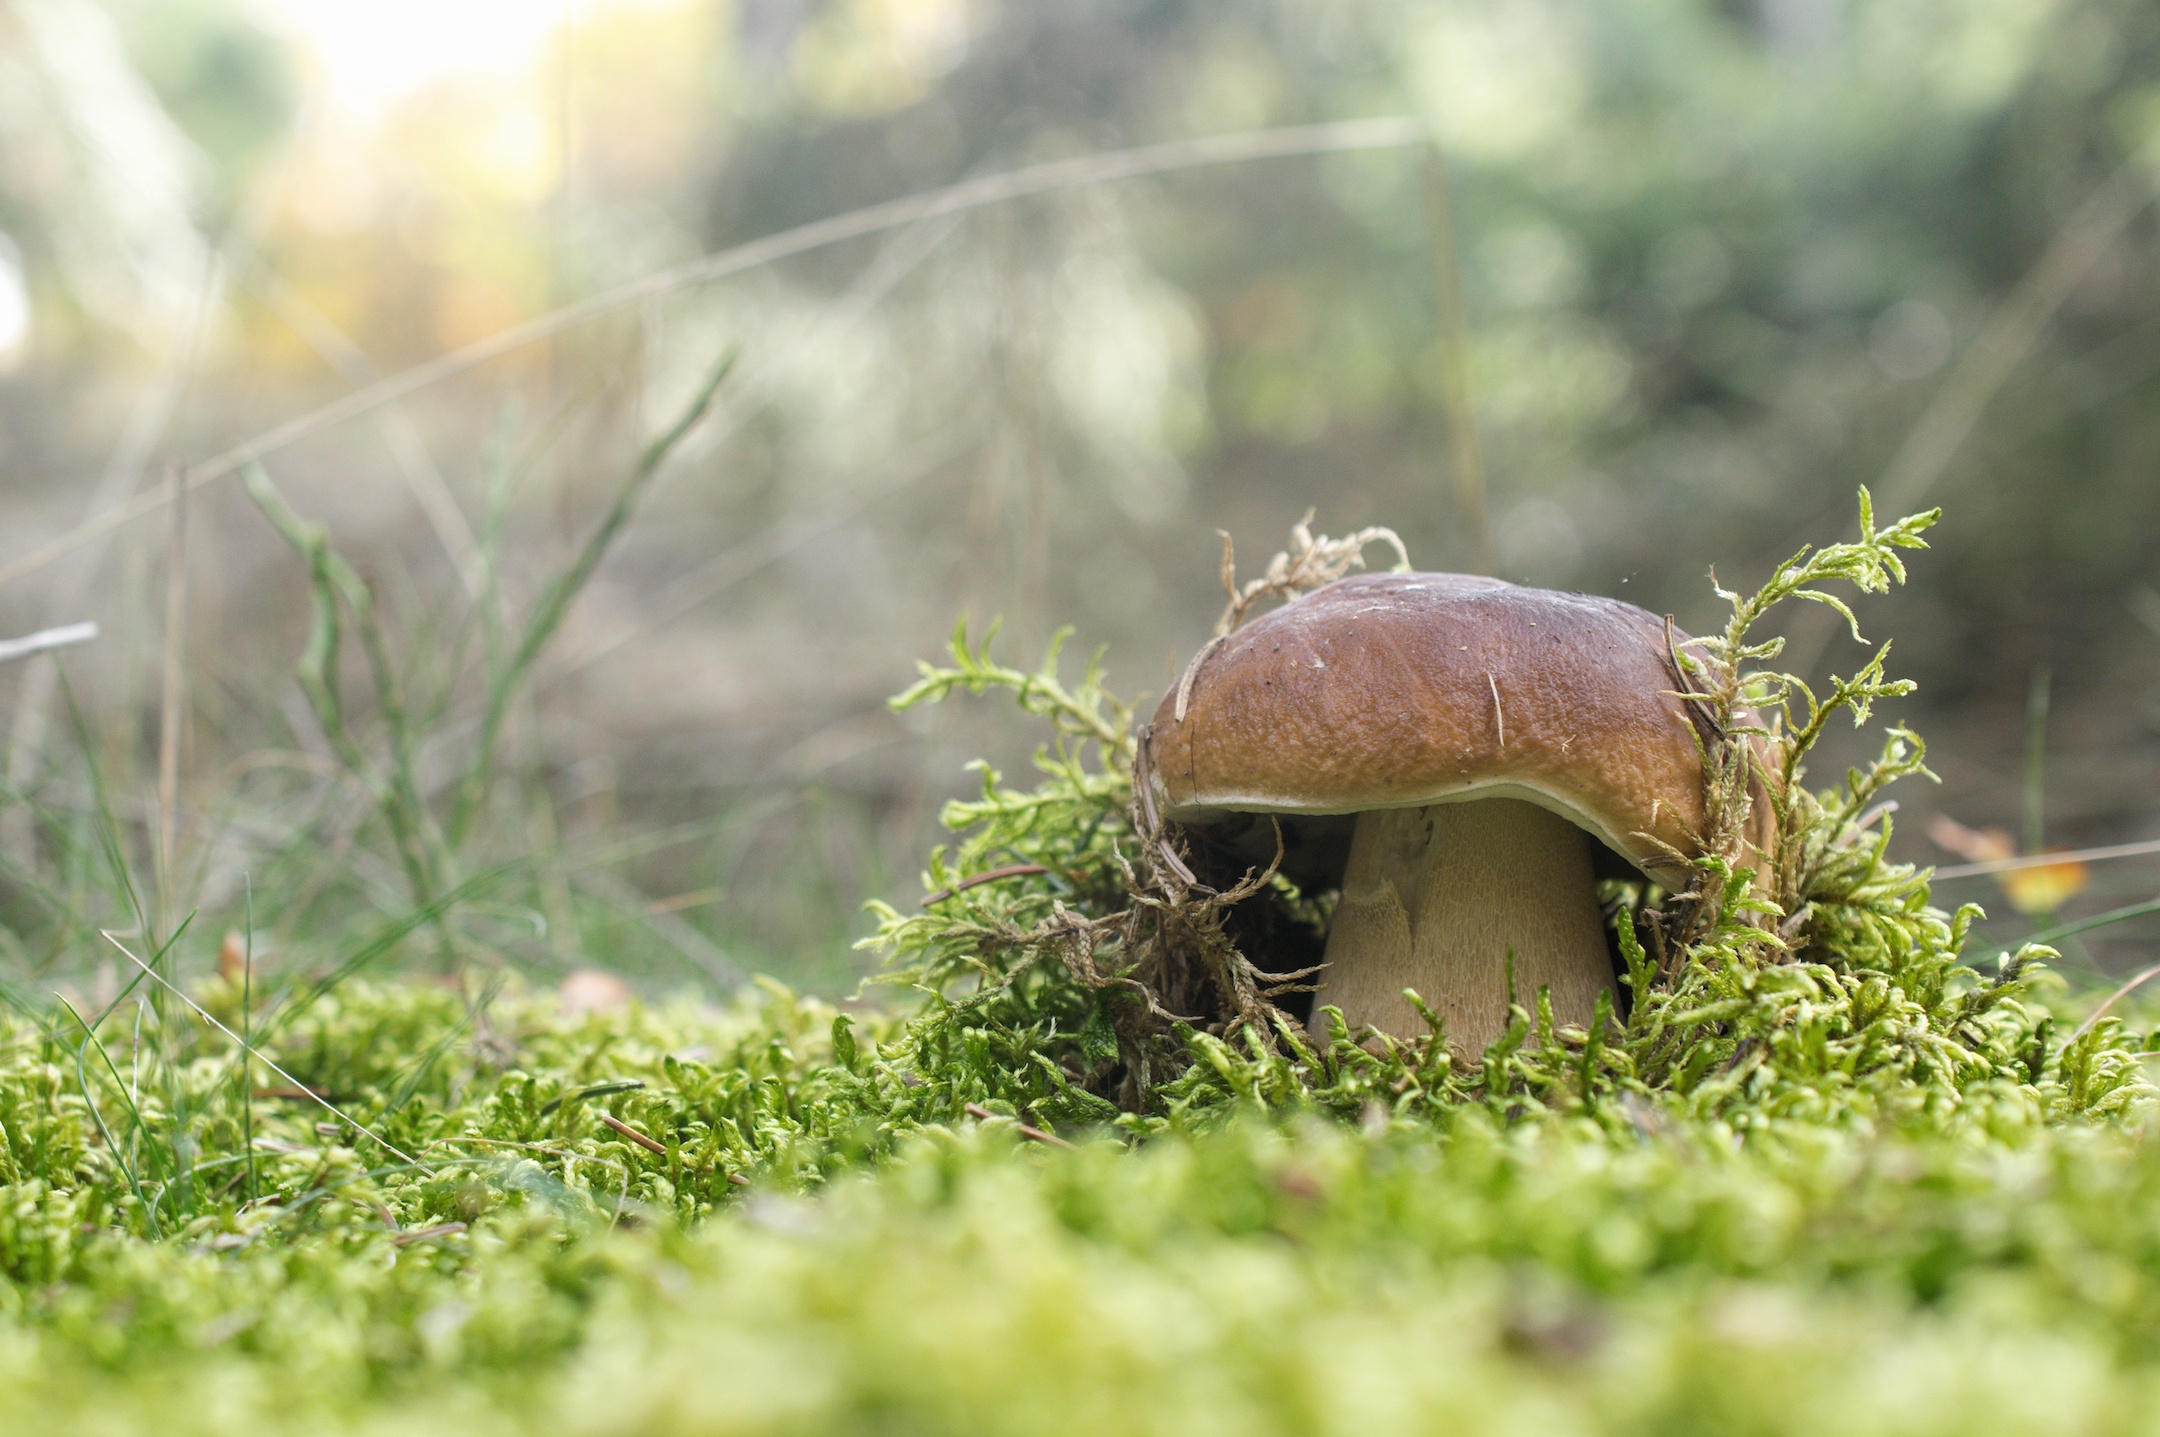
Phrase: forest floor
(680, 1219)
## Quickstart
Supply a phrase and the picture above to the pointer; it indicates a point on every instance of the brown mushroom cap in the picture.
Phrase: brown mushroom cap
(1403, 690)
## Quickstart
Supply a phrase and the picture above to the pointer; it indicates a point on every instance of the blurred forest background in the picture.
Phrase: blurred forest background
(1720, 262)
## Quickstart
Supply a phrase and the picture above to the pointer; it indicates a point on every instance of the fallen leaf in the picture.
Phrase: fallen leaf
(2045, 887)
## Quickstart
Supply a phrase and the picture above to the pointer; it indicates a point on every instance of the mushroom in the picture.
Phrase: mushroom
(1454, 754)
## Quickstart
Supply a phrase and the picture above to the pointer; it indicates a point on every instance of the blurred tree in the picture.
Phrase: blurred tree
(95, 180)
(230, 85)
(1719, 259)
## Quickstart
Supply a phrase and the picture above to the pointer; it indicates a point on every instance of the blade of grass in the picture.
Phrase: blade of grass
(2082, 925)
(739, 561)
(125, 993)
(208, 1017)
(383, 942)
(172, 697)
(408, 450)
(597, 1090)
(331, 579)
(106, 827)
(97, 1114)
(247, 1020)
(554, 601)
(2036, 719)
(2044, 860)
(1466, 466)
(2136, 980)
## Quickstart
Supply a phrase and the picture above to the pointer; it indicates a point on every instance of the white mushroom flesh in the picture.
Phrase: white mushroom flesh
(1435, 899)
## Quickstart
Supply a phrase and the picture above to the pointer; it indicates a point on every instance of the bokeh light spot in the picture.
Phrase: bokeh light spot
(14, 303)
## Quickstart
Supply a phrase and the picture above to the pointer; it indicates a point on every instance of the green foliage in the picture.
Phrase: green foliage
(1820, 1176)
(1068, 824)
(1040, 1029)
(1821, 986)
(1642, 1268)
(469, 663)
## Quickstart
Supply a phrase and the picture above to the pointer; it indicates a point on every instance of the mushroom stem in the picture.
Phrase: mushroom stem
(1435, 898)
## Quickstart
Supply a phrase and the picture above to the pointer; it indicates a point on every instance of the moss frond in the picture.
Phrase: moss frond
(1803, 975)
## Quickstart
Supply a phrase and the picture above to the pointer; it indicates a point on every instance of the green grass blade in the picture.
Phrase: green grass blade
(555, 599)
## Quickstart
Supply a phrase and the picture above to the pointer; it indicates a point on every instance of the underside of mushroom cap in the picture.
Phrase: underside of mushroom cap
(1406, 690)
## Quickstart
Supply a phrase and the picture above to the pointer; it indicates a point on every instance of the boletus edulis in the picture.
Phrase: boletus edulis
(1451, 752)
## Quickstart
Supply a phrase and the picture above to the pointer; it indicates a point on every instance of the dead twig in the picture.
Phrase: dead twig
(1014, 870)
(649, 1144)
(1177, 922)
(1034, 1135)
(2044, 860)
(422, 1234)
(44, 639)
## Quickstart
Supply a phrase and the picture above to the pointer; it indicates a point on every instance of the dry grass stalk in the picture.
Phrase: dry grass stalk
(172, 715)
(1384, 132)
(1466, 465)
(982, 1114)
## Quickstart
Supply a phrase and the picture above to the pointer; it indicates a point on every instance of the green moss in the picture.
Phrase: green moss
(1826, 990)
(1827, 1176)
(1271, 1275)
